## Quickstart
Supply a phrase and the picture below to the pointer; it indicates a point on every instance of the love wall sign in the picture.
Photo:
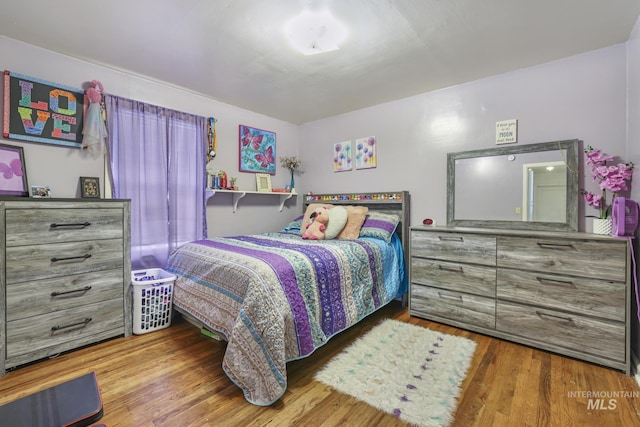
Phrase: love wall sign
(41, 111)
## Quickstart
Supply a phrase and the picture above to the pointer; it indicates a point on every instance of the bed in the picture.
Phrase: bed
(276, 297)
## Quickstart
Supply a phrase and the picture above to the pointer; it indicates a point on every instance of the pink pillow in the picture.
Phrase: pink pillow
(355, 218)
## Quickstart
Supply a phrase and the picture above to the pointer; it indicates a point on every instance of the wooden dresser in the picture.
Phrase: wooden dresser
(565, 292)
(64, 277)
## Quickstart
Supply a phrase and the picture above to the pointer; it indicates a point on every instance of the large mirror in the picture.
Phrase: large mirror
(533, 187)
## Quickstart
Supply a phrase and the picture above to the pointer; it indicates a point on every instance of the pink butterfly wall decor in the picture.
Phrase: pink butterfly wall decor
(257, 150)
(13, 178)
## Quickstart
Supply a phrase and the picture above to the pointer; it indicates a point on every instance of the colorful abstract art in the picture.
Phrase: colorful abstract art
(40, 111)
(365, 153)
(342, 160)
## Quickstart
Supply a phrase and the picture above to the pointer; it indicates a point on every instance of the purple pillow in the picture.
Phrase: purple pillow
(379, 225)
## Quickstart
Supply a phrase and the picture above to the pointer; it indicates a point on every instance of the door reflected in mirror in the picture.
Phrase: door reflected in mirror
(544, 192)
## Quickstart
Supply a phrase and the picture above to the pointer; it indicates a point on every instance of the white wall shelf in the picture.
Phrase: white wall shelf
(239, 194)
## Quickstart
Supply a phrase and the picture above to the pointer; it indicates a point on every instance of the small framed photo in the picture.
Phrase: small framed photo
(13, 174)
(41, 191)
(89, 187)
(263, 182)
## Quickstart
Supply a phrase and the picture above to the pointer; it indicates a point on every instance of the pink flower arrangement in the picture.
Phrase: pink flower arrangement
(613, 178)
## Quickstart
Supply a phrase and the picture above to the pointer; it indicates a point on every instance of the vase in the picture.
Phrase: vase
(602, 226)
(293, 183)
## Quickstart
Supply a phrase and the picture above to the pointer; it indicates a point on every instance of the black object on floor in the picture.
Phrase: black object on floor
(75, 403)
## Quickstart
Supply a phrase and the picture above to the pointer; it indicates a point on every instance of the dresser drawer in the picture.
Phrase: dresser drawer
(551, 328)
(472, 279)
(458, 306)
(37, 226)
(466, 248)
(34, 298)
(592, 297)
(51, 331)
(588, 258)
(27, 263)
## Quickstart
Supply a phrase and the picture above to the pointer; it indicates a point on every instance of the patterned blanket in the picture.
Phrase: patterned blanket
(277, 297)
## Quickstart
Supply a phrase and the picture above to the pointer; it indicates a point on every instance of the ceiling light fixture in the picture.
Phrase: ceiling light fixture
(315, 32)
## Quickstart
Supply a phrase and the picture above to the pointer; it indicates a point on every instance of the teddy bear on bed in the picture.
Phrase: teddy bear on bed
(315, 229)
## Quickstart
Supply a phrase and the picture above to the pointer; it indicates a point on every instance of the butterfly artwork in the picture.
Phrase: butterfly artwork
(257, 150)
(265, 158)
(251, 140)
(14, 168)
(13, 179)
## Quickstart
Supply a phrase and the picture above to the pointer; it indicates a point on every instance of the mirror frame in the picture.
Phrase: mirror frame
(573, 193)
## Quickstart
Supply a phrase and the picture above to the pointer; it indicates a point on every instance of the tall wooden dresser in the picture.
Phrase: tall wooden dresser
(565, 292)
(64, 276)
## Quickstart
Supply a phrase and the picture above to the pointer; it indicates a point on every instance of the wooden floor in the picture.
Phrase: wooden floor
(173, 377)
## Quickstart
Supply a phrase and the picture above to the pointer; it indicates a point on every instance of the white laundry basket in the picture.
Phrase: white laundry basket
(152, 299)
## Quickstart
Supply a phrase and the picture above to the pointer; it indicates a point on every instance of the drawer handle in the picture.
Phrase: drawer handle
(555, 246)
(82, 257)
(451, 239)
(71, 325)
(455, 297)
(554, 316)
(452, 269)
(57, 294)
(546, 280)
(77, 225)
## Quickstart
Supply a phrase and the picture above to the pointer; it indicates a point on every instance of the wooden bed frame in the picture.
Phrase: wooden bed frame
(397, 202)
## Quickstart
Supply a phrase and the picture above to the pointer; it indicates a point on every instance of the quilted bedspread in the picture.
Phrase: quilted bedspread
(277, 297)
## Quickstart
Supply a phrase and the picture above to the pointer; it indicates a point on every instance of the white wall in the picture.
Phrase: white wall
(580, 97)
(583, 96)
(60, 167)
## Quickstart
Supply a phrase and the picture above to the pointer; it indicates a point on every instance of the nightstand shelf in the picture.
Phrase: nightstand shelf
(239, 194)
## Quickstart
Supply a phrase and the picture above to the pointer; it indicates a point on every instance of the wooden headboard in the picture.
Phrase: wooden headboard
(397, 202)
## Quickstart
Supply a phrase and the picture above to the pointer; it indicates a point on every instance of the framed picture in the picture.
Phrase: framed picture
(41, 111)
(257, 150)
(13, 173)
(365, 153)
(342, 156)
(89, 187)
(263, 182)
(41, 191)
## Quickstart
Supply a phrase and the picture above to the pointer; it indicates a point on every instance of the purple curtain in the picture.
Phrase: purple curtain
(157, 159)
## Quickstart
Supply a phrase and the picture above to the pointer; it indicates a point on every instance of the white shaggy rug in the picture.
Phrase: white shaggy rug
(406, 370)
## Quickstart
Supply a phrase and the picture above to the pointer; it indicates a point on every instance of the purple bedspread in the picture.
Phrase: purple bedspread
(277, 297)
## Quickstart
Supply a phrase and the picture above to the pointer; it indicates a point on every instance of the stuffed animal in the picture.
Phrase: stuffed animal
(317, 226)
(94, 93)
(94, 130)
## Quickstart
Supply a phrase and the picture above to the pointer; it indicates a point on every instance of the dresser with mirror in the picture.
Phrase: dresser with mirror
(512, 264)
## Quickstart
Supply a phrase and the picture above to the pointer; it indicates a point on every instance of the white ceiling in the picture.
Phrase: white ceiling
(234, 50)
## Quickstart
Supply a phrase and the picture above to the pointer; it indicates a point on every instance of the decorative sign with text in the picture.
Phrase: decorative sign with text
(41, 111)
(507, 131)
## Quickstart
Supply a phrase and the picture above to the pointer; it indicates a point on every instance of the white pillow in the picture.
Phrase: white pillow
(337, 220)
